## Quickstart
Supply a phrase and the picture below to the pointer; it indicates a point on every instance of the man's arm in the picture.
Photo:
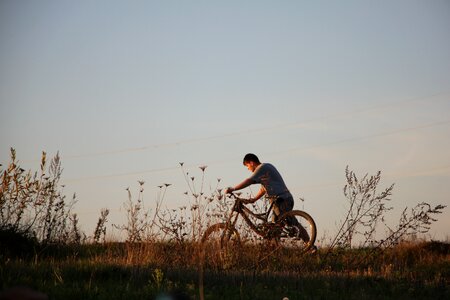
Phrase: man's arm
(240, 186)
(258, 196)
(243, 185)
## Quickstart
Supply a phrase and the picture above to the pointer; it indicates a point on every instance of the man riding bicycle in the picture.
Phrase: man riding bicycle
(272, 185)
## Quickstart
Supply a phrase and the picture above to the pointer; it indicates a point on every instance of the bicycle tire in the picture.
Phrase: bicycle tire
(292, 236)
(218, 253)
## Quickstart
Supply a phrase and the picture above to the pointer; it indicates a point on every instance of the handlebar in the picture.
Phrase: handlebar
(237, 198)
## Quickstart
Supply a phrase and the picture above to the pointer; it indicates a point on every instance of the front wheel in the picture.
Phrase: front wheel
(298, 232)
(220, 247)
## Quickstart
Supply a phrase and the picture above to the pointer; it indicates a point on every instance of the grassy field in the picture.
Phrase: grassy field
(43, 248)
(143, 271)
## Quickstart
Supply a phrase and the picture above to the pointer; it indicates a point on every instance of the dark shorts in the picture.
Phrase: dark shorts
(282, 205)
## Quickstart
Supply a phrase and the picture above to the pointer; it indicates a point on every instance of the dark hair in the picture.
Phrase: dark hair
(251, 157)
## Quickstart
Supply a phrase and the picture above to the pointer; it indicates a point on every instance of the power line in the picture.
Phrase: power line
(397, 175)
(121, 174)
(354, 139)
(297, 149)
(257, 130)
(415, 173)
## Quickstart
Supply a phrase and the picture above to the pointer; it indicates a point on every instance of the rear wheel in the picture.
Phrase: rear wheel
(298, 232)
(220, 247)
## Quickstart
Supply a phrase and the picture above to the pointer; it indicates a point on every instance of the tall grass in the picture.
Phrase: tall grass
(34, 204)
(43, 247)
(144, 270)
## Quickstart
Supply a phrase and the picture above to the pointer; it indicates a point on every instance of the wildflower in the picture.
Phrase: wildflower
(141, 182)
(192, 178)
(219, 179)
(167, 184)
(203, 168)
(181, 164)
(160, 186)
(185, 193)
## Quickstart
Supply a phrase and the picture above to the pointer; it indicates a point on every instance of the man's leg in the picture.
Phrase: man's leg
(283, 205)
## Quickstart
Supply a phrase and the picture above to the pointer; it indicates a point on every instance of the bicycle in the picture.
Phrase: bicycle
(294, 229)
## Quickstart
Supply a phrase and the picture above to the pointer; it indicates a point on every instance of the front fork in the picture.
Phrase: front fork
(229, 226)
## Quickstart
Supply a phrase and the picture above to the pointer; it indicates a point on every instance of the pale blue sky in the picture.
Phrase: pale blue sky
(127, 89)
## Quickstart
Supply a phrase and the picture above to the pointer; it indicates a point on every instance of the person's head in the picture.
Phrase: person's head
(251, 161)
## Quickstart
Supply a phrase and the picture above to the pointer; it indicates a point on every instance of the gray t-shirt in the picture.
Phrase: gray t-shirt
(267, 175)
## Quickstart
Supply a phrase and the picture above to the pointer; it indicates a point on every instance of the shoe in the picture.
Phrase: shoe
(298, 234)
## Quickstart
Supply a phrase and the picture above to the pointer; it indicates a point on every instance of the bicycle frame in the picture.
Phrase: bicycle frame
(240, 209)
(294, 229)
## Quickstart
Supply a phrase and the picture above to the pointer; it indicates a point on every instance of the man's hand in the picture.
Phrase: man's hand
(229, 190)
